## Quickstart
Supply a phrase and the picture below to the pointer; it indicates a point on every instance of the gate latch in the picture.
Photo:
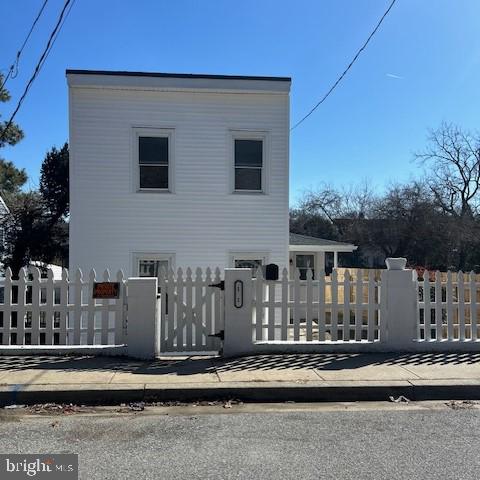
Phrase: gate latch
(220, 335)
(220, 285)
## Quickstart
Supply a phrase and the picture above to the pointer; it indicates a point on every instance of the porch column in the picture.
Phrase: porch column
(335, 259)
(320, 267)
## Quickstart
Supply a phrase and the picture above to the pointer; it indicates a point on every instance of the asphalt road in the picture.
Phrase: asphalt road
(324, 444)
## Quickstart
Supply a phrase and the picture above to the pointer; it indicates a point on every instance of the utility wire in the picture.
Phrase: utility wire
(14, 65)
(41, 61)
(59, 30)
(340, 78)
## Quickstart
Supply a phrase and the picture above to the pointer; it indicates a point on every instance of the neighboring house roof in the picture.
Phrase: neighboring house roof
(307, 243)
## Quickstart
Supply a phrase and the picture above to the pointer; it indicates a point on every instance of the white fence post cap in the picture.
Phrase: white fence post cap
(398, 263)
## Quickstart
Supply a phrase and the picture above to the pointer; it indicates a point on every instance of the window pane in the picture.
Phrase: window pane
(153, 150)
(147, 268)
(153, 177)
(305, 261)
(151, 268)
(248, 179)
(254, 265)
(248, 153)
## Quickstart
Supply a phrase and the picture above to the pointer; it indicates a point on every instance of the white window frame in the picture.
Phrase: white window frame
(139, 256)
(251, 135)
(153, 132)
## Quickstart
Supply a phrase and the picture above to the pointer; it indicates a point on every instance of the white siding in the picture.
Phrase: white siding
(202, 222)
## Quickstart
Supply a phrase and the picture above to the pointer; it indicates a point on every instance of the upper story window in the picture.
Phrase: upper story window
(153, 159)
(249, 152)
(153, 162)
(248, 164)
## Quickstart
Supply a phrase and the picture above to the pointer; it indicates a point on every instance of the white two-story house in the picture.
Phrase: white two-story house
(177, 170)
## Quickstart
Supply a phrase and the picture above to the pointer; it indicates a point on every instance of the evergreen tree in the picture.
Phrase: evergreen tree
(11, 178)
(54, 182)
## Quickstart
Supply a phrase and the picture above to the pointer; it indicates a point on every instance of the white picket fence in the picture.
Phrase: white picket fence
(331, 308)
(190, 310)
(45, 311)
(354, 311)
(448, 308)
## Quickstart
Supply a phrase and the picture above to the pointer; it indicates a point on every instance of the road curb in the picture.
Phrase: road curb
(82, 394)
(99, 394)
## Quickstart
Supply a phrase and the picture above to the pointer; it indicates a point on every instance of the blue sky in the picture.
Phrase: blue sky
(422, 68)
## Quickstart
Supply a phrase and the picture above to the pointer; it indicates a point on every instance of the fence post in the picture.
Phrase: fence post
(401, 307)
(142, 330)
(238, 312)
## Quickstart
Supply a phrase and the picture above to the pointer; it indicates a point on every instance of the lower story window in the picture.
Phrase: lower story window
(303, 263)
(151, 268)
(254, 264)
(249, 260)
(152, 264)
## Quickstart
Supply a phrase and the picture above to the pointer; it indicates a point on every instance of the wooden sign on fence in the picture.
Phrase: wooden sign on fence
(106, 290)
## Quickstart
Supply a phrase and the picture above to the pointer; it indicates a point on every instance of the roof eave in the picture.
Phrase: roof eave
(177, 82)
(71, 71)
(323, 248)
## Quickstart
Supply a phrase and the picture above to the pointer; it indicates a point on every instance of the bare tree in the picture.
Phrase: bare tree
(403, 220)
(354, 201)
(434, 221)
(407, 223)
(453, 176)
(453, 158)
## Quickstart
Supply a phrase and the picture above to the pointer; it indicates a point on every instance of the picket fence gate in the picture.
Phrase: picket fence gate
(37, 310)
(190, 310)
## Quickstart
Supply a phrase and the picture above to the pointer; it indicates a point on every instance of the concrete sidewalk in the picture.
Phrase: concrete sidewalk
(308, 377)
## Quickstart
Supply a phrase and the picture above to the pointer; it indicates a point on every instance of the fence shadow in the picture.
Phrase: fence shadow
(196, 365)
(343, 361)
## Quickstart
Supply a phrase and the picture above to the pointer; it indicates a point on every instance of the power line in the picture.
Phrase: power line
(340, 78)
(59, 30)
(14, 65)
(41, 61)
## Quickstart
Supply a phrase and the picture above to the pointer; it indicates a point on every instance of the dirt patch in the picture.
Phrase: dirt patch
(462, 404)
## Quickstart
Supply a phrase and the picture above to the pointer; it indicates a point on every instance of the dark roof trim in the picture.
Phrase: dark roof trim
(298, 239)
(176, 75)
